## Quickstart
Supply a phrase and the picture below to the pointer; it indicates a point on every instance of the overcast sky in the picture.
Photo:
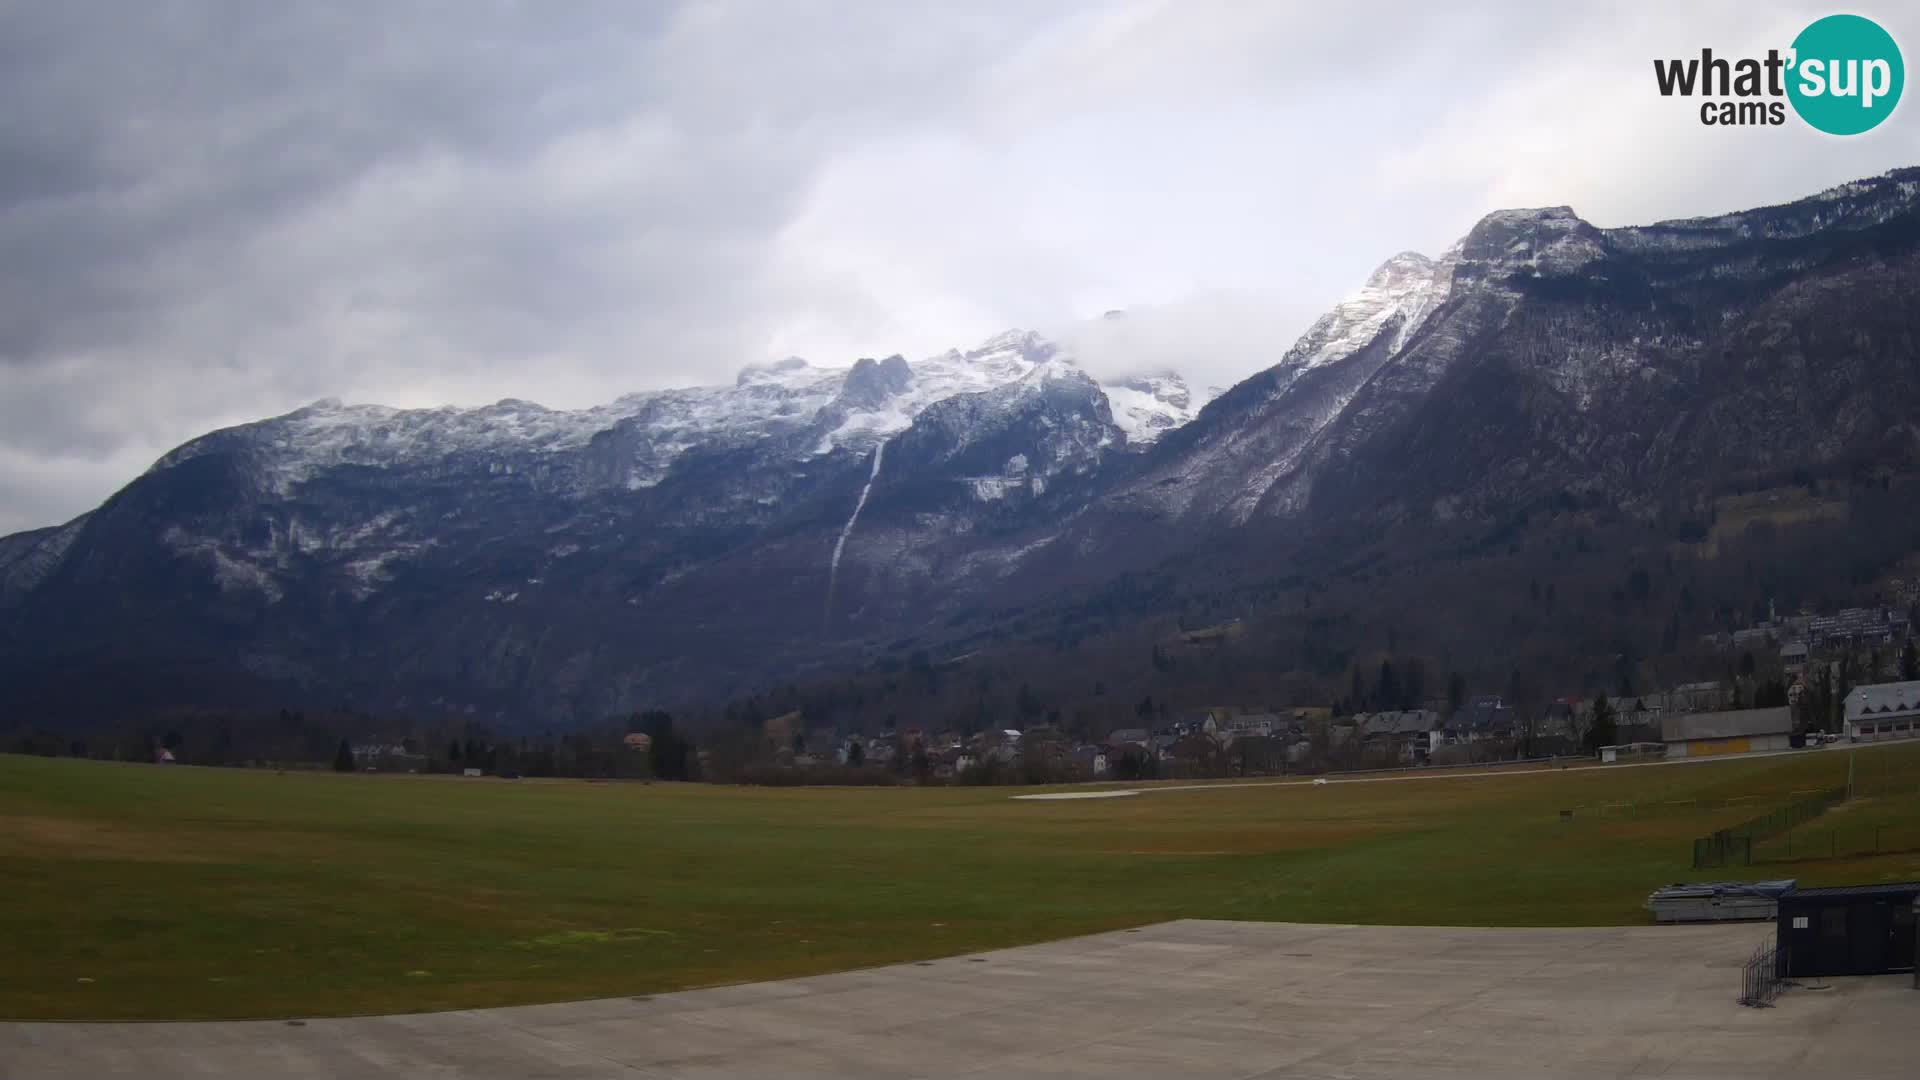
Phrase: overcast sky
(214, 212)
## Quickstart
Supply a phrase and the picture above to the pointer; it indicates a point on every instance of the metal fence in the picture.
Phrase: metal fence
(1722, 849)
(1734, 844)
(1847, 842)
(1762, 976)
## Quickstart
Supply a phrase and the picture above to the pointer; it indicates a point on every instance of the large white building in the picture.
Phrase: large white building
(1885, 711)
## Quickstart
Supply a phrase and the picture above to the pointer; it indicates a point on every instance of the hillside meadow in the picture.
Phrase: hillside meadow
(139, 891)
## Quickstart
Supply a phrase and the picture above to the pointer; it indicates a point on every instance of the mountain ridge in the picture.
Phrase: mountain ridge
(576, 564)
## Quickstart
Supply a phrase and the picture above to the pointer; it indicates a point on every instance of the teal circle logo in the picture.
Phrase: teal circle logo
(1847, 75)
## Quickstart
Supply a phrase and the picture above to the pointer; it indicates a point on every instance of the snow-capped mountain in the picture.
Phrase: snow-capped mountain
(804, 410)
(364, 511)
(524, 563)
(1542, 276)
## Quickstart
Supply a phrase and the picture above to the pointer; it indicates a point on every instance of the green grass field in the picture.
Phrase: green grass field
(143, 892)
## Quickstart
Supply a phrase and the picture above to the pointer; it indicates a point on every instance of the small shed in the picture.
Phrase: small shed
(1849, 930)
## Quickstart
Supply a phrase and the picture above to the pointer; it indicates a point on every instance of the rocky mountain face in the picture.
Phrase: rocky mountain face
(527, 564)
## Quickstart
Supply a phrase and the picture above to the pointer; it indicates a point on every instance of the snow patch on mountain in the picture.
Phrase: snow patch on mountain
(1148, 406)
(1280, 426)
(27, 558)
(230, 573)
(840, 545)
(1407, 287)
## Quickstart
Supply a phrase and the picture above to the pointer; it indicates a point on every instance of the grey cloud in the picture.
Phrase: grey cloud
(215, 211)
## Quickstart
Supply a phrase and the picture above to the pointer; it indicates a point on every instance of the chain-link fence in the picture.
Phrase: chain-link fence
(1839, 842)
(1733, 846)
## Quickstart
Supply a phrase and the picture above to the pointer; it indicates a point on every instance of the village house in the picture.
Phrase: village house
(1485, 717)
(1636, 721)
(1412, 734)
(1091, 761)
(1694, 698)
(1794, 654)
(1194, 751)
(1560, 726)
(1251, 725)
(949, 762)
(880, 751)
(1003, 746)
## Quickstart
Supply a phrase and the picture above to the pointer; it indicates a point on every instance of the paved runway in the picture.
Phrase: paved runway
(1183, 999)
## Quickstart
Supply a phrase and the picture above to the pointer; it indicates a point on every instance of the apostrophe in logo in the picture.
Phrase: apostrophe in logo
(1847, 75)
(1843, 75)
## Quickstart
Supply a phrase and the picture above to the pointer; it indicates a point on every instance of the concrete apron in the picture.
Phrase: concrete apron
(1190, 998)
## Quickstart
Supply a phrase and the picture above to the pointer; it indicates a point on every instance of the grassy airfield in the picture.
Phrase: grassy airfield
(136, 891)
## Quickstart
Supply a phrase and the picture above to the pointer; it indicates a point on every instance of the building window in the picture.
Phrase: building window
(1833, 923)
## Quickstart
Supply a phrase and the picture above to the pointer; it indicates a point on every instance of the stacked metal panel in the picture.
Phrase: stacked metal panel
(1717, 901)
